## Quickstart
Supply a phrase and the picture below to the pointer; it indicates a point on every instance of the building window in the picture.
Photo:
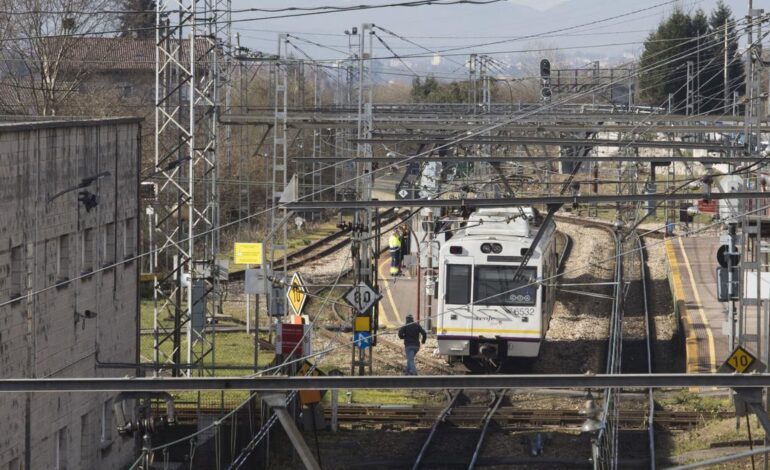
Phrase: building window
(16, 272)
(61, 449)
(106, 436)
(108, 245)
(87, 250)
(129, 238)
(63, 259)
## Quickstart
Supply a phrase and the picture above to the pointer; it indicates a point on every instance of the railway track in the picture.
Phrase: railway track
(437, 422)
(481, 421)
(657, 234)
(648, 335)
(323, 247)
(469, 416)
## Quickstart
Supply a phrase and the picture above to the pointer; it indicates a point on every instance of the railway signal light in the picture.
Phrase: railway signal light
(545, 69)
(725, 258)
(728, 274)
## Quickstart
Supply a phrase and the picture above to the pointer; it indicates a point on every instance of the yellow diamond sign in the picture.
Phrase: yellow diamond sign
(740, 360)
(297, 294)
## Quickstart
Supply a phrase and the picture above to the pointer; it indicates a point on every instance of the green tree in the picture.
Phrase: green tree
(137, 19)
(696, 39)
(714, 101)
(431, 90)
(426, 91)
(664, 60)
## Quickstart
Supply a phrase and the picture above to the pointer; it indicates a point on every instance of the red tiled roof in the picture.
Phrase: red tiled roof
(100, 54)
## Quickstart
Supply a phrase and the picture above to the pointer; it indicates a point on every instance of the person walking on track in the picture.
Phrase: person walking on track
(411, 333)
(394, 248)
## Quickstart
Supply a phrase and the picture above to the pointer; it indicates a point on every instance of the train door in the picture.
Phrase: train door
(457, 317)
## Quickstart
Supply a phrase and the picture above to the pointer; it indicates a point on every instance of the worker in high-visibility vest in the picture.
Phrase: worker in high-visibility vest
(394, 248)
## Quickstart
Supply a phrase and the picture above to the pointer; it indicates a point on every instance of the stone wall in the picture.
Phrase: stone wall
(68, 286)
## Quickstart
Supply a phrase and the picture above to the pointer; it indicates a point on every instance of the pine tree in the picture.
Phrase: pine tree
(138, 19)
(680, 39)
(664, 61)
(719, 17)
(701, 59)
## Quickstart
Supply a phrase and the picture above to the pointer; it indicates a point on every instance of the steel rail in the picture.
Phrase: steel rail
(525, 140)
(453, 123)
(439, 419)
(490, 412)
(649, 339)
(509, 417)
(608, 431)
(565, 251)
(600, 223)
(537, 159)
(524, 201)
(433, 382)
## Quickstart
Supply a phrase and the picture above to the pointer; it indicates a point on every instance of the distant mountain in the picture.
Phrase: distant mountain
(561, 24)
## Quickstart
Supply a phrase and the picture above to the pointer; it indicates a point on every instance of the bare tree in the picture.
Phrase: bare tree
(38, 65)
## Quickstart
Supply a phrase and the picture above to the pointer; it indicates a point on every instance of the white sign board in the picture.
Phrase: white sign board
(750, 285)
(361, 297)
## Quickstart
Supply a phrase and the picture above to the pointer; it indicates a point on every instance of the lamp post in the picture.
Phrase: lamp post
(592, 425)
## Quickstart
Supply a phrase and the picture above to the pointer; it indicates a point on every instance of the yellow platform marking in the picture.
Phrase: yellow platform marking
(709, 334)
(389, 295)
(691, 342)
(490, 330)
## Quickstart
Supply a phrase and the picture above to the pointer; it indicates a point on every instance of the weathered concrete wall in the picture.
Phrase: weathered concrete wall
(59, 260)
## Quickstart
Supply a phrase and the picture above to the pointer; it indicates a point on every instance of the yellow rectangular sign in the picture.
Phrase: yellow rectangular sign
(248, 253)
(362, 324)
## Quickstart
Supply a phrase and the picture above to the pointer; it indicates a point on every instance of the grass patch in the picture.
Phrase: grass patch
(685, 400)
(147, 312)
(235, 349)
(722, 430)
(383, 397)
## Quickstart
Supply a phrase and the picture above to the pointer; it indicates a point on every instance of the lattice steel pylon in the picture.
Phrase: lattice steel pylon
(186, 100)
(277, 239)
(363, 252)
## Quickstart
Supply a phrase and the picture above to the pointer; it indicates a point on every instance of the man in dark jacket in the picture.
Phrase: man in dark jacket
(411, 333)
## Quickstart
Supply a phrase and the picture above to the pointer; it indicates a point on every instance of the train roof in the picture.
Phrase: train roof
(507, 221)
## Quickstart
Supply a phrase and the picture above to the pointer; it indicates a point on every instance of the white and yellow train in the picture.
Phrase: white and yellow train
(485, 316)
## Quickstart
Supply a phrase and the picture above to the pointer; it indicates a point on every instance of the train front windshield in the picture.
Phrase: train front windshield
(494, 285)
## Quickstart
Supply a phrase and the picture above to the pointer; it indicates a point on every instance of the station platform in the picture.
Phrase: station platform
(692, 263)
(399, 296)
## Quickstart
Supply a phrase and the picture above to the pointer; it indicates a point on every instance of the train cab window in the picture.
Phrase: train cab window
(458, 284)
(494, 285)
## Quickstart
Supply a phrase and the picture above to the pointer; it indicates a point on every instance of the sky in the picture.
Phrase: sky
(512, 30)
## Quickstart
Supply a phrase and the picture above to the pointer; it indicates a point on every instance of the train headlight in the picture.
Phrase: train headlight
(486, 248)
(497, 248)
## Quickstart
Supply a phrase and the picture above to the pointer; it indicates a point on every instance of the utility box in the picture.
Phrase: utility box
(198, 311)
(723, 284)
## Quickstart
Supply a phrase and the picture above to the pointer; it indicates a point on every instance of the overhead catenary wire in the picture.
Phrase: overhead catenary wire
(382, 41)
(480, 130)
(562, 273)
(549, 279)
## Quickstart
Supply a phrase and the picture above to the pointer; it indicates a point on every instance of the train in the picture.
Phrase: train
(485, 317)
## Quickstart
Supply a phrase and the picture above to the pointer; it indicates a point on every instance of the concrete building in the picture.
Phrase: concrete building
(69, 211)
